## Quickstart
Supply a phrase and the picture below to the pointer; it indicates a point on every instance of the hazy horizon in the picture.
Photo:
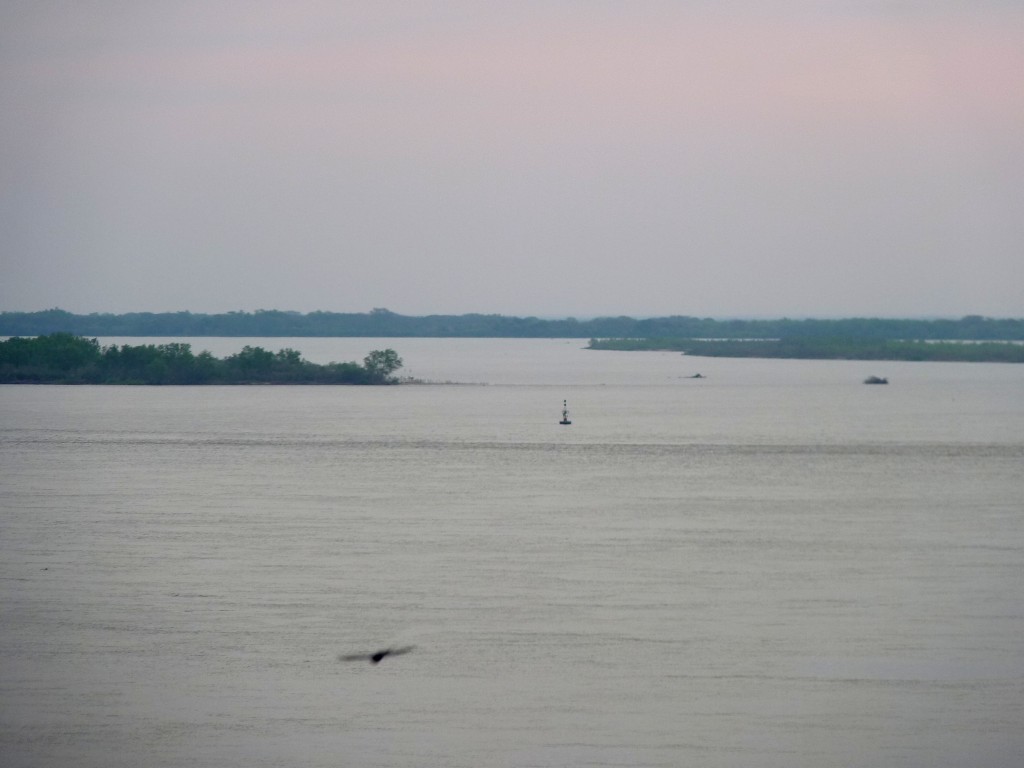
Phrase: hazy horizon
(784, 158)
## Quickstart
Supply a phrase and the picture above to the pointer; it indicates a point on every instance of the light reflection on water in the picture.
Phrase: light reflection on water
(772, 566)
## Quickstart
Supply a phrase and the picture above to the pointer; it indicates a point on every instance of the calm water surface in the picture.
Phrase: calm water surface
(771, 566)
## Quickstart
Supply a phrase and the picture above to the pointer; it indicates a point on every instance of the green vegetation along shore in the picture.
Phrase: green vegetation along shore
(382, 323)
(827, 349)
(62, 358)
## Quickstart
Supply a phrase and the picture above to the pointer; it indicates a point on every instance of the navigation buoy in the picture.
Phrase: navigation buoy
(565, 414)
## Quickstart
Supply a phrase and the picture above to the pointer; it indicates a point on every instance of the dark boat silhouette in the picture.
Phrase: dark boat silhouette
(377, 656)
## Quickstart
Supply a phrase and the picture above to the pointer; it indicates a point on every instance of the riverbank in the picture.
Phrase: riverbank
(62, 358)
(826, 349)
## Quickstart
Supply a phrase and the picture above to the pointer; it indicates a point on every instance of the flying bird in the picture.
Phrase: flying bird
(375, 658)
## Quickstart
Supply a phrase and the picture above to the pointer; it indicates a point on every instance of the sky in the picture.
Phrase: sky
(726, 158)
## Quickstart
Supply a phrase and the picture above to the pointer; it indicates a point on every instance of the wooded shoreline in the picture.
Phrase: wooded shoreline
(62, 358)
(57, 349)
(827, 349)
(382, 323)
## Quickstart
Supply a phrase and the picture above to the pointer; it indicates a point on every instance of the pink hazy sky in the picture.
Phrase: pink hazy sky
(552, 158)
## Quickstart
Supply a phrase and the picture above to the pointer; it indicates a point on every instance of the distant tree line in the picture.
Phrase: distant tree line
(384, 323)
(63, 358)
(828, 349)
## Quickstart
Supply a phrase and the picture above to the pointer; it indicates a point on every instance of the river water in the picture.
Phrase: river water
(773, 565)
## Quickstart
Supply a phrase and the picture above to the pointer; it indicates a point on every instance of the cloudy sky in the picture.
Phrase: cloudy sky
(531, 157)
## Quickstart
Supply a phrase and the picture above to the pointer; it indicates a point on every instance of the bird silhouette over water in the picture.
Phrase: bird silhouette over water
(377, 656)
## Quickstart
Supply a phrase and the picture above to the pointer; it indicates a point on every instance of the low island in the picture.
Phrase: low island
(811, 348)
(63, 358)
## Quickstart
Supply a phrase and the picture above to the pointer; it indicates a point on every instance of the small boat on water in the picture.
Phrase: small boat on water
(875, 380)
(565, 414)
